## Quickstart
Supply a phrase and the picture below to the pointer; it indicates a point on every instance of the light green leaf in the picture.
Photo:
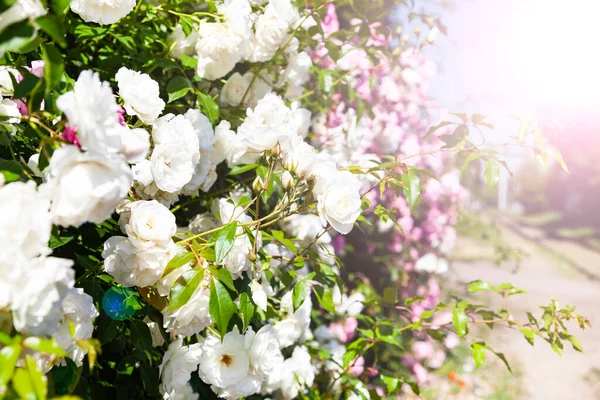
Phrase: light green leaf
(491, 175)
(246, 309)
(390, 382)
(224, 241)
(479, 286)
(178, 261)
(209, 107)
(220, 306)
(459, 320)
(299, 294)
(9, 355)
(238, 169)
(478, 354)
(54, 67)
(412, 188)
(53, 28)
(224, 276)
(16, 36)
(184, 287)
(48, 346)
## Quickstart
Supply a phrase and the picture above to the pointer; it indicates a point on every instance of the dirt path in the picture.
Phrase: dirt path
(546, 376)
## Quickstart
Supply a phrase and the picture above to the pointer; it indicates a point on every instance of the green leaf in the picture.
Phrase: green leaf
(390, 295)
(60, 7)
(491, 175)
(48, 346)
(246, 309)
(459, 134)
(178, 87)
(575, 343)
(471, 157)
(459, 320)
(412, 188)
(238, 169)
(299, 294)
(9, 355)
(184, 287)
(188, 61)
(479, 286)
(64, 378)
(504, 360)
(555, 154)
(478, 354)
(141, 333)
(209, 107)
(26, 86)
(30, 383)
(53, 28)
(463, 117)
(54, 66)
(12, 170)
(6, 4)
(220, 306)
(15, 36)
(325, 298)
(436, 127)
(224, 276)
(390, 382)
(528, 333)
(224, 241)
(477, 118)
(178, 261)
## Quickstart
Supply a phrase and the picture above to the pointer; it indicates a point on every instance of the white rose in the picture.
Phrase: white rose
(267, 124)
(203, 128)
(103, 12)
(177, 365)
(21, 10)
(150, 224)
(296, 324)
(132, 266)
(234, 90)
(297, 372)
(230, 147)
(306, 227)
(91, 107)
(13, 263)
(432, 264)
(271, 31)
(140, 94)
(37, 305)
(136, 144)
(186, 392)
(184, 45)
(178, 128)
(351, 305)
(340, 204)
(9, 111)
(301, 158)
(218, 49)
(205, 175)
(203, 222)
(84, 187)
(6, 82)
(295, 74)
(79, 313)
(264, 350)
(193, 316)
(172, 166)
(226, 366)
(26, 221)
(155, 333)
(259, 297)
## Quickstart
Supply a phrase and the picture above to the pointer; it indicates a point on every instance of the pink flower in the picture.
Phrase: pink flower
(70, 136)
(37, 68)
(121, 113)
(420, 373)
(422, 350)
(330, 23)
(358, 367)
(451, 340)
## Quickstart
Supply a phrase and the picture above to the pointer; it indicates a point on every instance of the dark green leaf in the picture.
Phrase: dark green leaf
(246, 309)
(15, 36)
(221, 307)
(25, 86)
(53, 28)
(6, 4)
(54, 67)
(141, 333)
(178, 87)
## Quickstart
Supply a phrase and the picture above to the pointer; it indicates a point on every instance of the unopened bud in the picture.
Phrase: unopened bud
(417, 30)
(277, 149)
(258, 184)
(252, 256)
(287, 180)
(432, 35)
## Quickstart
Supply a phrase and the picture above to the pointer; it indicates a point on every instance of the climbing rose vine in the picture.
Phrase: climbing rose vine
(229, 199)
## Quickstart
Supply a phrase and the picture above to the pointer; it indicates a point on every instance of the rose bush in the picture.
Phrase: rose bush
(228, 199)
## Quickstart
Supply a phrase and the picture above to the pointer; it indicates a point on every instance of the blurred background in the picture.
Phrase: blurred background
(516, 61)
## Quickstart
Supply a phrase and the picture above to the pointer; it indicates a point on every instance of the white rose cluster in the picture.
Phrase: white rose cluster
(181, 161)
(38, 289)
(243, 35)
(103, 12)
(140, 258)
